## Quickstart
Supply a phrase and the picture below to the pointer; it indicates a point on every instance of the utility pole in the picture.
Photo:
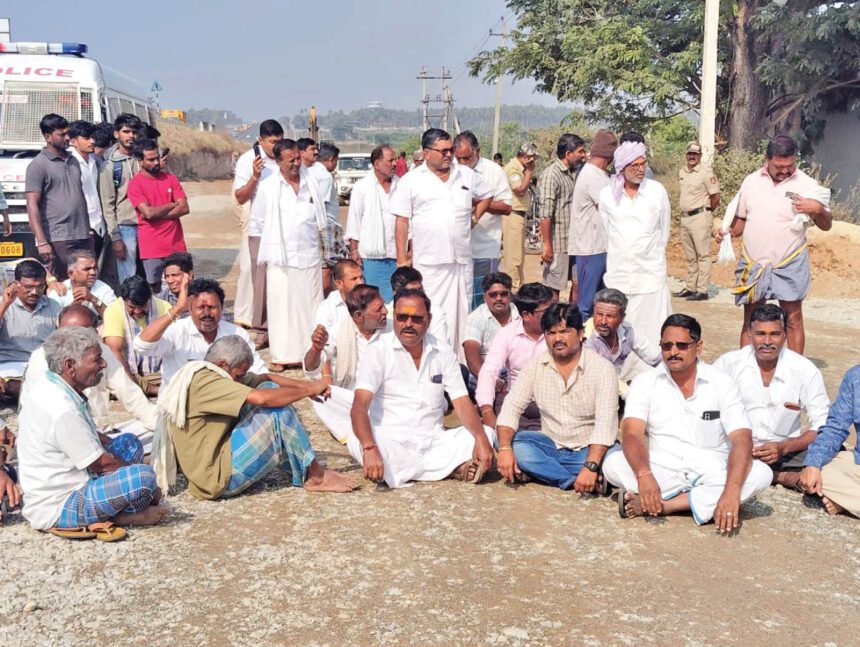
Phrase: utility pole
(445, 97)
(497, 117)
(708, 107)
(425, 100)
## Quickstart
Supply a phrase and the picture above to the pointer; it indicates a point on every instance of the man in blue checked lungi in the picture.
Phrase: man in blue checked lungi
(228, 428)
(73, 476)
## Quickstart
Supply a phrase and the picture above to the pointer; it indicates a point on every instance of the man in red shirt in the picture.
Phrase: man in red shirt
(400, 167)
(160, 202)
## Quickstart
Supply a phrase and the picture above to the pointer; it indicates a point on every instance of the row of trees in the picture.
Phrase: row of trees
(783, 64)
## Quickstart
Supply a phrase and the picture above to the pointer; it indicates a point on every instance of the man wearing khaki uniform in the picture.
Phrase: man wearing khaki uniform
(519, 171)
(700, 195)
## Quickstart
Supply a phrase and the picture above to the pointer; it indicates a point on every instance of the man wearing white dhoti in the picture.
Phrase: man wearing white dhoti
(336, 357)
(686, 439)
(436, 200)
(637, 214)
(399, 406)
(292, 246)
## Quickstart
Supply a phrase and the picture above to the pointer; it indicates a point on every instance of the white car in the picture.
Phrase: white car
(351, 167)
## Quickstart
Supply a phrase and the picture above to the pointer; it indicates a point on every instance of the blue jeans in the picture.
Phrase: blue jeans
(589, 276)
(378, 271)
(538, 457)
(128, 266)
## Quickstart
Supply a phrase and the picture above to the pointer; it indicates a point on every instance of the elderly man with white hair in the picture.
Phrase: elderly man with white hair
(637, 214)
(227, 428)
(78, 482)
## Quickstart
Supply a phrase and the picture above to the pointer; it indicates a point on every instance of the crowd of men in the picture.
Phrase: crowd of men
(403, 317)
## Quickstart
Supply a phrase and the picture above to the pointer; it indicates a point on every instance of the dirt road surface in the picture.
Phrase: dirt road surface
(445, 563)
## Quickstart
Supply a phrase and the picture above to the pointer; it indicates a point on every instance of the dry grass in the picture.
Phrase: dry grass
(184, 140)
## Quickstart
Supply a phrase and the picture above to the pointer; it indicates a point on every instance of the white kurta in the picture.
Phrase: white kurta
(361, 200)
(688, 444)
(408, 408)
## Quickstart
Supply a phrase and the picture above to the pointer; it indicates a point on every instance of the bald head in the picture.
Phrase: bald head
(77, 315)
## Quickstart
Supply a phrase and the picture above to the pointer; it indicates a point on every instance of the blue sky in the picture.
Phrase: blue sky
(264, 58)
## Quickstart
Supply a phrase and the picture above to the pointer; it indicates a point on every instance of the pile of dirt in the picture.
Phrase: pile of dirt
(834, 254)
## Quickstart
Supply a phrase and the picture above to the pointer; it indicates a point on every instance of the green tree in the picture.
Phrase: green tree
(631, 63)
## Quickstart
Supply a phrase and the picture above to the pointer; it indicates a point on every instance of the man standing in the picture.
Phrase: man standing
(400, 166)
(637, 214)
(83, 285)
(175, 340)
(322, 172)
(519, 171)
(292, 246)
(487, 233)
(775, 207)
(56, 205)
(686, 438)
(308, 151)
(700, 195)
(399, 406)
(776, 385)
(370, 223)
(252, 167)
(576, 392)
(490, 317)
(436, 201)
(555, 192)
(160, 202)
(120, 217)
(587, 237)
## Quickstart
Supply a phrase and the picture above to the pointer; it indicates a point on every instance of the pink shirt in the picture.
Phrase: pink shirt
(768, 237)
(163, 236)
(512, 348)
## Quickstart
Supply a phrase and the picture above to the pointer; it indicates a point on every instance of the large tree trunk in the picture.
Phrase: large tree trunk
(747, 118)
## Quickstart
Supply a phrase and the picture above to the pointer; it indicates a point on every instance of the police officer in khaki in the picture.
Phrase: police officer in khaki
(519, 171)
(700, 195)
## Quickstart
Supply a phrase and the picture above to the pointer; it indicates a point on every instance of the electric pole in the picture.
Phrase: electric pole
(445, 98)
(498, 114)
(708, 107)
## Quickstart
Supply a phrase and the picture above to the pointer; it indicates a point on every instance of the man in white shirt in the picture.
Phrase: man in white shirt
(293, 246)
(399, 406)
(337, 356)
(115, 381)
(322, 170)
(370, 223)
(486, 241)
(436, 200)
(346, 274)
(408, 278)
(177, 341)
(776, 385)
(637, 214)
(686, 439)
(83, 285)
(252, 167)
(74, 477)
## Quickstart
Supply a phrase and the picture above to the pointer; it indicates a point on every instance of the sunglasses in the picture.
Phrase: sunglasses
(402, 317)
(682, 345)
(499, 294)
(444, 152)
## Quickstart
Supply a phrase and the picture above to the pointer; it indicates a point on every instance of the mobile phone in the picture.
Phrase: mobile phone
(165, 152)
(791, 195)
(257, 149)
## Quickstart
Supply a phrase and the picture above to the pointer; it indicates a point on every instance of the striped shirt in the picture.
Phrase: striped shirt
(582, 411)
(555, 195)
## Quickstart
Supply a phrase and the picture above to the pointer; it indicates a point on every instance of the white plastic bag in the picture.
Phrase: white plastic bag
(727, 253)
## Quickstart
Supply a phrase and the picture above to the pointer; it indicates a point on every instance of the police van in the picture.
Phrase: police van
(37, 79)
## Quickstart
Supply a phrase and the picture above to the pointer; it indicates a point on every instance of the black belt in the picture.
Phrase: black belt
(695, 212)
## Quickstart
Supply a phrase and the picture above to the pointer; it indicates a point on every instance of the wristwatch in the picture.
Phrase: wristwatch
(591, 466)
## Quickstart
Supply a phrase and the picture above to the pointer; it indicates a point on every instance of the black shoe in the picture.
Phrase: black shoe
(698, 296)
(684, 293)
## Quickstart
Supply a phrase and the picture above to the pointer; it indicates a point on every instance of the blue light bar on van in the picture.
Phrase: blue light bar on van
(43, 48)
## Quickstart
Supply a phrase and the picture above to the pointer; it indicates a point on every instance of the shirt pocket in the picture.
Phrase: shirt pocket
(710, 433)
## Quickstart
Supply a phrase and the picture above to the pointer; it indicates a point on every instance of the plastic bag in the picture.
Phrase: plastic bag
(727, 253)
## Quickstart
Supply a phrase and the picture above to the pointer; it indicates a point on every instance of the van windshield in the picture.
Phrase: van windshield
(353, 164)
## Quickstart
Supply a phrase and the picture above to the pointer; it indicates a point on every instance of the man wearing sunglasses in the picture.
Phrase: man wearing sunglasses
(436, 202)
(484, 322)
(399, 406)
(686, 439)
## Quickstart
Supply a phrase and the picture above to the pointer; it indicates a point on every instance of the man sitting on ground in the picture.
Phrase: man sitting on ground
(830, 471)
(73, 476)
(337, 358)
(408, 278)
(513, 347)
(776, 384)
(176, 341)
(698, 452)
(123, 321)
(176, 267)
(83, 285)
(486, 320)
(27, 317)
(235, 427)
(576, 392)
(614, 338)
(332, 310)
(115, 381)
(399, 406)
